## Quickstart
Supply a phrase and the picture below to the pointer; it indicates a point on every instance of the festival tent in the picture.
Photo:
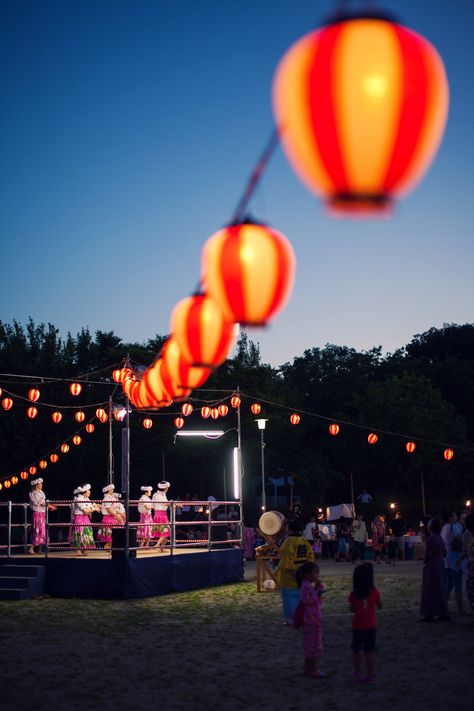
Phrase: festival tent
(334, 513)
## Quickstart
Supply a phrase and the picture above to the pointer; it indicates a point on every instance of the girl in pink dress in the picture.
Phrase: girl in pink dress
(145, 508)
(161, 524)
(38, 519)
(311, 590)
(110, 516)
(82, 508)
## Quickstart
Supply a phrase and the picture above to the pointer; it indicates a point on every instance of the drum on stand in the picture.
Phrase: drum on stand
(272, 523)
(271, 527)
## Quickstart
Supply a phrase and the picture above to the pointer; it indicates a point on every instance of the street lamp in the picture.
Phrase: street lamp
(261, 422)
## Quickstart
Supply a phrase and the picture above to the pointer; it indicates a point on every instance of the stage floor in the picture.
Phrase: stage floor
(106, 555)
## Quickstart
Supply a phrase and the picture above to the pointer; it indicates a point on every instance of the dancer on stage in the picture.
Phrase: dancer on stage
(82, 508)
(161, 528)
(119, 508)
(145, 508)
(110, 516)
(38, 520)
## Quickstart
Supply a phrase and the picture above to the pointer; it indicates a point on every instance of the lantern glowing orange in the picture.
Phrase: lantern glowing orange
(101, 415)
(75, 389)
(361, 106)
(147, 423)
(24, 475)
(333, 429)
(152, 392)
(76, 440)
(295, 419)
(64, 448)
(186, 409)
(248, 269)
(235, 401)
(32, 412)
(1, 486)
(178, 422)
(90, 428)
(256, 408)
(43, 464)
(214, 413)
(33, 394)
(448, 454)
(80, 416)
(372, 438)
(223, 410)
(14, 480)
(32, 470)
(7, 484)
(56, 417)
(410, 447)
(54, 458)
(205, 412)
(7, 403)
(179, 377)
(117, 375)
(201, 331)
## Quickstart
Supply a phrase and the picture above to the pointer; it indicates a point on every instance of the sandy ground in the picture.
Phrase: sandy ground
(227, 648)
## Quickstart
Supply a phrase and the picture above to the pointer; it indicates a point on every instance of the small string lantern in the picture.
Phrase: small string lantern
(223, 410)
(75, 389)
(90, 428)
(372, 438)
(32, 412)
(101, 415)
(64, 448)
(235, 401)
(7, 403)
(33, 394)
(43, 464)
(76, 440)
(205, 411)
(186, 409)
(7, 484)
(14, 480)
(256, 408)
(214, 413)
(147, 423)
(24, 475)
(54, 458)
(410, 447)
(178, 422)
(56, 417)
(295, 419)
(32, 470)
(80, 416)
(333, 429)
(117, 375)
(448, 454)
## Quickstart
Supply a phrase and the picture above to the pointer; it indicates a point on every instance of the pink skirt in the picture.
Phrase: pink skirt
(104, 533)
(312, 641)
(145, 531)
(38, 528)
(161, 527)
(81, 532)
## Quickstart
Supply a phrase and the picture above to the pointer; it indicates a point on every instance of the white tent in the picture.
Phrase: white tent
(334, 513)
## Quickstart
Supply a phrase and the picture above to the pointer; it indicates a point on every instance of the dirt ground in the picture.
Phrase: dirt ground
(227, 648)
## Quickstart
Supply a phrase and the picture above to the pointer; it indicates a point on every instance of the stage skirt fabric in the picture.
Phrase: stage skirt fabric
(82, 536)
(38, 528)
(161, 528)
(104, 534)
(145, 530)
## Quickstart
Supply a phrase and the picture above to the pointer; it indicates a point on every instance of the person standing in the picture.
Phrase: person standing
(145, 509)
(38, 520)
(161, 524)
(363, 601)
(311, 589)
(110, 517)
(82, 508)
(434, 598)
(359, 537)
(378, 538)
(294, 551)
(452, 535)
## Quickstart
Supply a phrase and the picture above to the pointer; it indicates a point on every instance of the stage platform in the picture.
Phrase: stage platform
(100, 576)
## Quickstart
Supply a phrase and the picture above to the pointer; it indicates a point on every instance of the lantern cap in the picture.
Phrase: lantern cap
(368, 13)
(246, 220)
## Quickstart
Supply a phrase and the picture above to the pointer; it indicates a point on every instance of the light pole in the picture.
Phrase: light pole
(261, 422)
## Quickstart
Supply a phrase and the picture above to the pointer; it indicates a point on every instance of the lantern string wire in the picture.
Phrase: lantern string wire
(255, 177)
(45, 380)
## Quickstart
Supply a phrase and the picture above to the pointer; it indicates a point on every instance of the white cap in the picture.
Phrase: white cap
(109, 487)
(146, 488)
(33, 482)
(163, 485)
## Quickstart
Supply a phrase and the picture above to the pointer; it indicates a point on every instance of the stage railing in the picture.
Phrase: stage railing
(192, 524)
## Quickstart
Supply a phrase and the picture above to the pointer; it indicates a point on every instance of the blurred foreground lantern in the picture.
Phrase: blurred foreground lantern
(75, 388)
(223, 410)
(101, 415)
(295, 419)
(372, 438)
(235, 401)
(248, 269)
(80, 416)
(410, 447)
(54, 458)
(178, 422)
(205, 412)
(361, 107)
(202, 333)
(448, 454)
(24, 475)
(89, 428)
(7, 403)
(32, 470)
(64, 448)
(33, 394)
(333, 429)
(56, 417)
(152, 392)
(179, 377)
(256, 408)
(32, 412)
(76, 440)
(187, 409)
(147, 423)
(43, 463)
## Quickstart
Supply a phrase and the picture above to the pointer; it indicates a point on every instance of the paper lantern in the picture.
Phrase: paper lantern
(248, 269)
(410, 447)
(372, 438)
(56, 417)
(152, 392)
(147, 423)
(90, 428)
(7, 403)
(186, 409)
(214, 413)
(7, 484)
(205, 412)
(64, 448)
(101, 415)
(179, 377)
(202, 333)
(178, 422)
(235, 401)
(223, 410)
(33, 394)
(256, 408)
(117, 375)
(361, 107)
(448, 454)
(333, 429)
(76, 440)
(32, 470)
(32, 412)
(14, 480)
(1, 392)
(75, 389)
(24, 475)
(295, 419)
(43, 464)
(1, 486)
(54, 458)
(80, 416)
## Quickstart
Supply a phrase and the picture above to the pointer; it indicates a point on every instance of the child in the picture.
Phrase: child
(317, 546)
(363, 600)
(311, 589)
(392, 547)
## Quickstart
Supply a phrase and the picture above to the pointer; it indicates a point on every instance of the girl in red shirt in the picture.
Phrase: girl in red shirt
(363, 601)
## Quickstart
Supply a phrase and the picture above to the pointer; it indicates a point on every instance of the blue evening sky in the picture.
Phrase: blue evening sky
(128, 131)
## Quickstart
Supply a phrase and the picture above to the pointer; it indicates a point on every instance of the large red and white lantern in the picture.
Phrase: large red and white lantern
(361, 106)
(248, 269)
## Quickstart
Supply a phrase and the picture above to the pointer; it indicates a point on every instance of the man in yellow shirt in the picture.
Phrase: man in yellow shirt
(294, 551)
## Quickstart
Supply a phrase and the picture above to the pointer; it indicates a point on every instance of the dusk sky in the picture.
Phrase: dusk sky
(128, 131)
